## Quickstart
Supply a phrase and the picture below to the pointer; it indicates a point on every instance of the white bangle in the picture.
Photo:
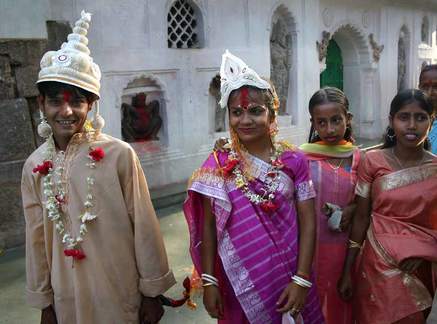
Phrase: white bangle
(209, 279)
(301, 281)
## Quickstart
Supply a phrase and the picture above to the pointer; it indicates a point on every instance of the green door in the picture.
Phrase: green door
(333, 74)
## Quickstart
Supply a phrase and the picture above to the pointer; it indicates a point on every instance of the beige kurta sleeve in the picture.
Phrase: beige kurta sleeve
(151, 257)
(39, 292)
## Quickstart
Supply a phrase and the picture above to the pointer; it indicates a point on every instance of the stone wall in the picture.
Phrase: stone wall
(19, 63)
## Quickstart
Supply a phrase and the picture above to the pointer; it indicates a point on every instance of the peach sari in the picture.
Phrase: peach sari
(404, 208)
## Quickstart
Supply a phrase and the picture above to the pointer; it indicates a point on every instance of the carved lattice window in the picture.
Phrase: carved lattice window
(183, 24)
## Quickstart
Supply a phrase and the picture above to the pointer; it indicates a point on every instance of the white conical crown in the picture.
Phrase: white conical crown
(234, 74)
(72, 64)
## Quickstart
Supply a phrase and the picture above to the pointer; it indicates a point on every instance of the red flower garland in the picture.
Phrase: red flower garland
(229, 167)
(75, 253)
(43, 168)
(269, 206)
(97, 154)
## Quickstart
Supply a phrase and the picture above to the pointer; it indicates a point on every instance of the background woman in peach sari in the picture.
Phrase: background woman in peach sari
(397, 197)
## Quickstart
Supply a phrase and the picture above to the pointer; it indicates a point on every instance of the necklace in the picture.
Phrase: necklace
(336, 166)
(56, 196)
(266, 202)
(401, 164)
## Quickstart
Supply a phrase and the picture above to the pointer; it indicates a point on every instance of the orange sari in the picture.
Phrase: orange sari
(404, 208)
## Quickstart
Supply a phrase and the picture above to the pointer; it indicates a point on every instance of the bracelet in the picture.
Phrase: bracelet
(354, 245)
(301, 281)
(209, 279)
(303, 275)
(209, 284)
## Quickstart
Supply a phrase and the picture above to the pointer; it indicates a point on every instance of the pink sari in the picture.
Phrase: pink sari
(404, 204)
(336, 186)
(257, 252)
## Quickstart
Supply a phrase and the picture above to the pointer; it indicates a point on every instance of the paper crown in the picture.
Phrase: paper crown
(72, 64)
(234, 74)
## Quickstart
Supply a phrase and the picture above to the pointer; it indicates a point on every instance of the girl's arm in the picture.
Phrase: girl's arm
(294, 295)
(360, 224)
(211, 294)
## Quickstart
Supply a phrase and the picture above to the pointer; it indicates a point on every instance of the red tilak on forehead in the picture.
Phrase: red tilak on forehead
(244, 97)
(66, 95)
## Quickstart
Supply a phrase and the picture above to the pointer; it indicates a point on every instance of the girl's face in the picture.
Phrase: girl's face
(411, 125)
(249, 116)
(330, 121)
(428, 84)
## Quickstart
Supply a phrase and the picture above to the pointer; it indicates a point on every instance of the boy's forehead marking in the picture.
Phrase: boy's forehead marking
(66, 95)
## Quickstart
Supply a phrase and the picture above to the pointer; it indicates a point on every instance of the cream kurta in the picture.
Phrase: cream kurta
(125, 254)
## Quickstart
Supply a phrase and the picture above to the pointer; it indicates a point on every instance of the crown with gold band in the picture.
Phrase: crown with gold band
(234, 74)
(73, 65)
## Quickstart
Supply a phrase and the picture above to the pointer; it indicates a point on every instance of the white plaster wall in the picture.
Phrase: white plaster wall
(24, 18)
(128, 39)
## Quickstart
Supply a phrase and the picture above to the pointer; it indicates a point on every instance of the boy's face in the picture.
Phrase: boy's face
(66, 113)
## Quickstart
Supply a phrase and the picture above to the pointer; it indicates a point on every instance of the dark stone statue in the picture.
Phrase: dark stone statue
(140, 121)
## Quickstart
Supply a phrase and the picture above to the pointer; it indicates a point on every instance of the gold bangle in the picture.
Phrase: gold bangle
(354, 245)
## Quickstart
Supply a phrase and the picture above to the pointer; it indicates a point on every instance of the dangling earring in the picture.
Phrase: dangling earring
(273, 131)
(392, 136)
(44, 129)
(235, 141)
(98, 121)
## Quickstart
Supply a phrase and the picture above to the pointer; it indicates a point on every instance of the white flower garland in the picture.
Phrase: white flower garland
(272, 179)
(55, 198)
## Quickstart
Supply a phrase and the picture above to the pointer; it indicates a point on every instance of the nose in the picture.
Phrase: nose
(331, 128)
(412, 123)
(245, 118)
(66, 110)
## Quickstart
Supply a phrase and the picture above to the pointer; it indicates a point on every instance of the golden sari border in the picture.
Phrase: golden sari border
(408, 176)
(414, 285)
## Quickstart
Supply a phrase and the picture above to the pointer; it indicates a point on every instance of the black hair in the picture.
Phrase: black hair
(402, 99)
(425, 69)
(52, 89)
(329, 95)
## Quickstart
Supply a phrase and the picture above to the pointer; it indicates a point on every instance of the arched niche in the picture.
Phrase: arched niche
(143, 111)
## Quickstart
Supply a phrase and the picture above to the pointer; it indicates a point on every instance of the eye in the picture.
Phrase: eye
(77, 102)
(403, 117)
(321, 123)
(236, 112)
(257, 110)
(422, 117)
(55, 101)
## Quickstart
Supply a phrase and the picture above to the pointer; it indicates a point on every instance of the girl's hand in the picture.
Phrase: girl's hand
(346, 217)
(410, 265)
(293, 299)
(344, 287)
(213, 302)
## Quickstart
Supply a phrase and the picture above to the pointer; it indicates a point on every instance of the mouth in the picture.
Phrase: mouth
(66, 123)
(331, 139)
(411, 137)
(246, 130)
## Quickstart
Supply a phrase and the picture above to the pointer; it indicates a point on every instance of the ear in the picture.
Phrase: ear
(40, 99)
(390, 121)
(90, 105)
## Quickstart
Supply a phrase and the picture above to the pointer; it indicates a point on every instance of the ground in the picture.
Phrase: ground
(175, 231)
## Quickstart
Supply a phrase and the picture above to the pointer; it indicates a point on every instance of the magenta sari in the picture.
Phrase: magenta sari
(257, 252)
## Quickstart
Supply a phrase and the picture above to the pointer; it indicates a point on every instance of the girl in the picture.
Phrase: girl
(333, 164)
(396, 206)
(250, 213)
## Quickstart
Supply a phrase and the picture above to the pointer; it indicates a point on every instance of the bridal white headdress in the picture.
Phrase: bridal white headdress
(234, 74)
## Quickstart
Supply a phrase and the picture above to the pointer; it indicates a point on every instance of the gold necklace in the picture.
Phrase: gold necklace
(401, 164)
(337, 166)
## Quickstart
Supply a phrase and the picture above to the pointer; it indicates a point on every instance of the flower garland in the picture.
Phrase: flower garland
(56, 196)
(233, 167)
